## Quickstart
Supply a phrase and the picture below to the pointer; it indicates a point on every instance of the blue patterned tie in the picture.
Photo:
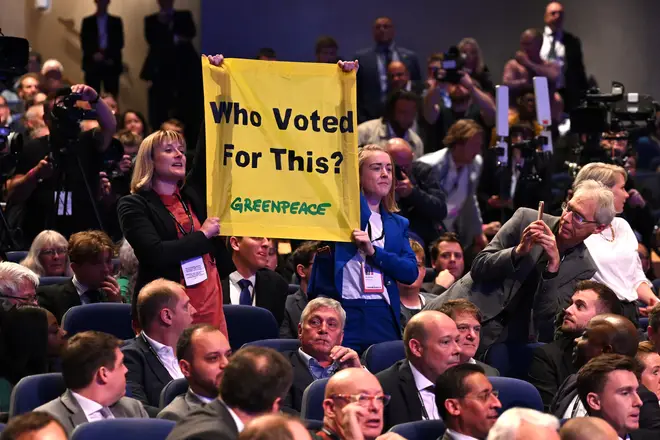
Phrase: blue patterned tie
(246, 298)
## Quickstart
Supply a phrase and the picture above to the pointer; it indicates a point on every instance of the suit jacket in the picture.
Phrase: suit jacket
(447, 436)
(369, 101)
(551, 364)
(58, 298)
(293, 307)
(433, 169)
(495, 281)
(180, 406)
(575, 78)
(270, 291)
(89, 40)
(146, 376)
(405, 405)
(489, 370)
(375, 131)
(397, 261)
(302, 378)
(69, 413)
(649, 413)
(209, 422)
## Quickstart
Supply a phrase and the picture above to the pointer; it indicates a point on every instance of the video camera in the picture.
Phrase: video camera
(11, 146)
(453, 61)
(66, 116)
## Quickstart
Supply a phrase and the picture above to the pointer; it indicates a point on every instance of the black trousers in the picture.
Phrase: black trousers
(109, 82)
(631, 312)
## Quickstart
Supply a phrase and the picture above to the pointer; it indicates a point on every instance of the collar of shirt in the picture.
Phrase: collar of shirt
(391, 134)
(421, 381)
(458, 436)
(158, 347)
(309, 360)
(235, 277)
(204, 400)
(548, 33)
(80, 287)
(471, 361)
(88, 406)
(239, 423)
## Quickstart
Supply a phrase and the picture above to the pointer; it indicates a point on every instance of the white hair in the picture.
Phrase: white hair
(602, 195)
(12, 275)
(128, 262)
(51, 64)
(508, 423)
(44, 239)
(322, 302)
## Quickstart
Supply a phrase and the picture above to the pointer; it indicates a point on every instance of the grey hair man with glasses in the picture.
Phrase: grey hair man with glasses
(531, 267)
(18, 285)
(320, 331)
(467, 403)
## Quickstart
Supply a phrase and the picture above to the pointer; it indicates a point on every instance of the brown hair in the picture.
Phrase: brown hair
(389, 201)
(154, 297)
(454, 307)
(591, 377)
(84, 354)
(325, 42)
(127, 137)
(172, 121)
(27, 423)
(88, 246)
(644, 348)
(461, 131)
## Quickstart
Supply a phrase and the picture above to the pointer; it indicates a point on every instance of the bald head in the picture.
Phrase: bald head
(402, 153)
(623, 333)
(352, 381)
(156, 296)
(431, 341)
(275, 427)
(587, 428)
(398, 75)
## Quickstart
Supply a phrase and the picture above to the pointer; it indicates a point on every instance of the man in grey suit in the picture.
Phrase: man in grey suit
(95, 377)
(467, 403)
(532, 267)
(302, 259)
(203, 353)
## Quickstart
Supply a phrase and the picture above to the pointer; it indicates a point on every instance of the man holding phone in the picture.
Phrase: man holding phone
(321, 331)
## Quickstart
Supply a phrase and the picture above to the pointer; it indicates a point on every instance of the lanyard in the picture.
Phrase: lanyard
(151, 349)
(187, 211)
(369, 232)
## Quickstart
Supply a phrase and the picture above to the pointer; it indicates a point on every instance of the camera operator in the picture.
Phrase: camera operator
(446, 103)
(51, 167)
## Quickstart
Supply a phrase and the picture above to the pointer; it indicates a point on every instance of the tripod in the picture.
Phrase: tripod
(7, 239)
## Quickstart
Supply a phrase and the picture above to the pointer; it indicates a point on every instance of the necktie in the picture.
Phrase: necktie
(106, 413)
(93, 296)
(387, 56)
(246, 298)
(552, 55)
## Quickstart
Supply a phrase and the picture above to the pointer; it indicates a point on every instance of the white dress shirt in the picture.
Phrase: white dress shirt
(80, 287)
(580, 411)
(429, 408)
(166, 357)
(560, 51)
(93, 410)
(235, 288)
(457, 436)
(102, 25)
(619, 266)
(204, 400)
(455, 185)
(240, 426)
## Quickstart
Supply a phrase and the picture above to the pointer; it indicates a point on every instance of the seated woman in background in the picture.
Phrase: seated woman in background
(48, 255)
(128, 266)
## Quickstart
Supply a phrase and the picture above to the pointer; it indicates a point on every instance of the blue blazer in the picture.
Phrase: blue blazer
(397, 260)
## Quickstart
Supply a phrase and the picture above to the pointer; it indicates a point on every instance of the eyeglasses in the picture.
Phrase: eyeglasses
(364, 399)
(485, 396)
(29, 299)
(577, 218)
(51, 252)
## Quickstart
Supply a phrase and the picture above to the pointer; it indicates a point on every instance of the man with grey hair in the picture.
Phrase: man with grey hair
(524, 424)
(18, 285)
(531, 267)
(321, 331)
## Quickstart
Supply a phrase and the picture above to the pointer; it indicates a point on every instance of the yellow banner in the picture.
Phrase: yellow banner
(281, 148)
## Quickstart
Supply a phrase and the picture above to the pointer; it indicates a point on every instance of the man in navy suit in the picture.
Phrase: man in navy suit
(372, 83)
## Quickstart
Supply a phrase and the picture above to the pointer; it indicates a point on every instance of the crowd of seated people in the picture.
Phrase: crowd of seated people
(459, 270)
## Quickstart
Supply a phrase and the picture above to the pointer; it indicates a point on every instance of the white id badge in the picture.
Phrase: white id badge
(372, 279)
(64, 202)
(194, 271)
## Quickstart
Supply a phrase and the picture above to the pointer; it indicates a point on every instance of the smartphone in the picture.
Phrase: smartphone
(541, 206)
(398, 172)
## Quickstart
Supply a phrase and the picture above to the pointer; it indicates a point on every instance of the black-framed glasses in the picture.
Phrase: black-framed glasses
(29, 299)
(577, 217)
(364, 399)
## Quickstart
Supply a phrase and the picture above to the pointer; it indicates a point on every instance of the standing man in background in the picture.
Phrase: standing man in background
(102, 39)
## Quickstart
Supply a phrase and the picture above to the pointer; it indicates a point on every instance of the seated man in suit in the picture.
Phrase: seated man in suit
(412, 297)
(353, 407)
(164, 311)
(33, 426)
(587, 428)
(95, 378)
(254, 383)
(605, 334)
(533, 266)
(251, 284)
(302, 258)
(430, 339)
(447, 259)
(18, 285)
(203, 353)
(320, 355)
(90, 253)
(608, 388)
(468, 322)
(552, 362)
(466, 402)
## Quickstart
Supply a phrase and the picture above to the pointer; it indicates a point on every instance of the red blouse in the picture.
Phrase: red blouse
(205, 297)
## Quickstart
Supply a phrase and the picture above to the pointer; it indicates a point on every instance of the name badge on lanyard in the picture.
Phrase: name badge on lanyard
(193, 269)
(372, 279)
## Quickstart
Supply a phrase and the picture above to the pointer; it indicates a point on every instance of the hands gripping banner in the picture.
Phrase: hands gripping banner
(281, 148)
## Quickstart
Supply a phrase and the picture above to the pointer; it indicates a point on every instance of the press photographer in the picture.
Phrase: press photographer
(62, 166)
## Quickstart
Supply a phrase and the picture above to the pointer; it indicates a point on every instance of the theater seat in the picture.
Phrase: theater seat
(420, 430)
(124, 429)
(516, 393)
(643, 323)
(49, 281)
(382, 356)
(34, 391)
(512, 359)
(280, 345)
(112, 318)
(16, 256)
(248, 323)
(174, 388)
(312, 400)
(293, 288)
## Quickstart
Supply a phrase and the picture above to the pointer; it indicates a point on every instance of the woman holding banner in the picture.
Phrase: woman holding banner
(363, 274)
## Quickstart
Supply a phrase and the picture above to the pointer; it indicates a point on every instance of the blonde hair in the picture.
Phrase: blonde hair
(604, 173)
(417, 248)
(389, 201)
(44, 239)
(461, 131)
(143, 172)
(471, 41)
